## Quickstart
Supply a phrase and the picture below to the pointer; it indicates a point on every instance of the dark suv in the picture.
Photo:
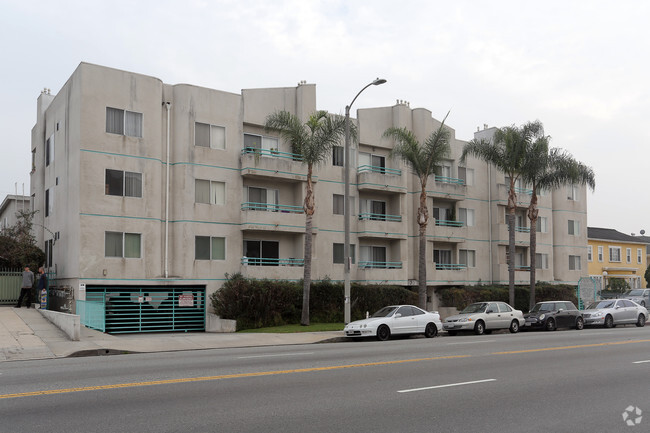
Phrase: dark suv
(551, 315)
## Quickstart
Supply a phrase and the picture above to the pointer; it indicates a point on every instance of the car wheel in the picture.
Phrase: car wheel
(431, 330)
(580, 323)
(550, 325)
(452, 333)
(609, 321)
(514, 326)
(383, 333)
(640, 322)
(479, 328)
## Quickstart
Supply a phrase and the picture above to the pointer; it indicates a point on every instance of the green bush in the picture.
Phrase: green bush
(618, 285)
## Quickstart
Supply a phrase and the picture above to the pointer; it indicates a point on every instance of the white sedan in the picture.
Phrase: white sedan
(396, 320)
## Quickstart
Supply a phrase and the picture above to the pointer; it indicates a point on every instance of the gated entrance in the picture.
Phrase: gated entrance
(119, 309)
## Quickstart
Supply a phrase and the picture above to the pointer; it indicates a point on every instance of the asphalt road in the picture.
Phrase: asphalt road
(563, 381)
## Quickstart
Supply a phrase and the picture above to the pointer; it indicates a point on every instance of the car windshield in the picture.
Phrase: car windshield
(385, 312)
(543, 307)
(600, 304)
(635, 293)
(475, 308)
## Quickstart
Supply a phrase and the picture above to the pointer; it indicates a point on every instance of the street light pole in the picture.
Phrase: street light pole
(346, 210)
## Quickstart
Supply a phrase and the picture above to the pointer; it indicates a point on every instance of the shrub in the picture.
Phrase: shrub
(618, 285)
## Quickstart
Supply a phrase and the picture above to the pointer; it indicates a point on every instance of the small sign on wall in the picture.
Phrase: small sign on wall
(82, 291)
(186, 300)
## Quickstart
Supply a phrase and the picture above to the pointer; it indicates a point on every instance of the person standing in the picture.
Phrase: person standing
(26, 287)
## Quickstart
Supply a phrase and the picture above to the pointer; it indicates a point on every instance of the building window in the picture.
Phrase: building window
(118, 244)
(467, 258)
(628, 255)
(123, 183)
(639, 256)
(338, 156)
(542, 225)
(261, 253)
(337, 254)
(375, 257)
(466, 216)
(572, 192)
(466, 175)
(614, 254)
(574, 227)
(442, 257)
(252, 141)
(49, 150)
(211, 136)
(372, 162)
(48, 202)
(541, 261)
(372, 210)
(262, 199)
(49, 251)
(209, 248)
(600, 254)
(123, 122)
(209, 192)
(574, 263)
(590, 253)
(338, 204)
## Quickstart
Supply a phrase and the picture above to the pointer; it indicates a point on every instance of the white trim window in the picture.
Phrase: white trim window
(601, 254)
(574, 263)
(628, 255)
(614, 254)
(122, 245)
(639, 256)
(590, 253)
(574, 227)
(467, 216)
(209, 192)
(123, 183)
(209, 248)
(467, 258)
(123, 122)
(212, 136)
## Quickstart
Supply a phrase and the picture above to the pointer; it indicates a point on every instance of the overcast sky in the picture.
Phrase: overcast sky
(580, 67)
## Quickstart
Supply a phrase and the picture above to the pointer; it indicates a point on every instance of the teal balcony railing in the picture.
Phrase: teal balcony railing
(522, 268)
(265, 261)
(271, 153)
(452, 180)
(450, 266)
(380, 170)
(379, 217)
(270, 207)
(449, 223)
(522, 229)
(379, 265)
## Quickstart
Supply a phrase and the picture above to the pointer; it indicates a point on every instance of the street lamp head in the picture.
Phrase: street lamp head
(378, 81)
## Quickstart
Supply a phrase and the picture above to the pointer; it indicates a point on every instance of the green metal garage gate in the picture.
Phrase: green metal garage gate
(122, 309)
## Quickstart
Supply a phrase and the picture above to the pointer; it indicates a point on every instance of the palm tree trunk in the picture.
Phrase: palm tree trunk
(423, 217)
(533, 213)
(512, 201)
(309, 212)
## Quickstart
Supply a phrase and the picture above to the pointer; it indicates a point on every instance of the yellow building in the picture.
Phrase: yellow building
(612, 254)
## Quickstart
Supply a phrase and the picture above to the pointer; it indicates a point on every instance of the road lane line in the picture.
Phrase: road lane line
(275, 355)
(447, 385)
(641, 362)
(581, 346)
(471, 342)
(222, 377)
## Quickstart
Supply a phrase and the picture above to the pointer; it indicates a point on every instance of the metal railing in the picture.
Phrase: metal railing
(452, 180)
(380, 170)
(379, 217)
(449, 223)
(271, 153)
(264, 261)
(450, 266)
(522, 229)
(271, 207)
(379, 265)
(92, 314)
(10, 282)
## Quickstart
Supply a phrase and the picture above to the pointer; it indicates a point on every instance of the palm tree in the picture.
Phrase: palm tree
(549, 170)
(422, 159)
(313, 141)
(507, 152)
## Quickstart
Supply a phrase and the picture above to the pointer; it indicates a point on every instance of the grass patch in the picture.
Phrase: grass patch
(289, 329)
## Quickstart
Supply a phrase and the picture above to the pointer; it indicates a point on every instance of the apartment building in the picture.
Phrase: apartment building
(150, 194)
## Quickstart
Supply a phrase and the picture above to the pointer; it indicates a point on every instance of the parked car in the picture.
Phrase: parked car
(612, 312)
(396, 320)
(640, 296)
(551, 315)
(484, 317)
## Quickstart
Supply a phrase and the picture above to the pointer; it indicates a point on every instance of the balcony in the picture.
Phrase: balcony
(273, 164)
(373, 225)
(272, 217)
(447, 231)
(448, 273)
(262, 261)
(523, 195)
(372, 178)
(450, 267)
(449, 188)
(379, 265)
(381, 272)
(272, 268)
(522, 235)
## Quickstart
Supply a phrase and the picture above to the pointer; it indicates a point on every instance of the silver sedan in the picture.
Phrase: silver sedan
(612, 312)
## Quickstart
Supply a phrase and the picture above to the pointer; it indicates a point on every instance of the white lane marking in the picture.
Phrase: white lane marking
(447, 385)
(279, 354)
(472, 342)
(641, 362)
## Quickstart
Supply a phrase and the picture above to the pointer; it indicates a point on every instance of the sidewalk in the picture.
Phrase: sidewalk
(26, 334)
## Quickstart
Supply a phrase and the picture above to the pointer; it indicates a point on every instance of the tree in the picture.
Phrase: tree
(313, 141)
(548, 170)
(507, 152)
(647, 276)
(18, 245)
(422, 158)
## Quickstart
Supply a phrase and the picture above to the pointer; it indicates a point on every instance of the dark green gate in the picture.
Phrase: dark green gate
(150, 309)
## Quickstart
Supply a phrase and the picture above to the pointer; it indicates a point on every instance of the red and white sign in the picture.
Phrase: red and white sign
(186, 300)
